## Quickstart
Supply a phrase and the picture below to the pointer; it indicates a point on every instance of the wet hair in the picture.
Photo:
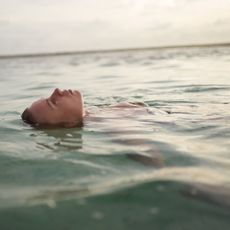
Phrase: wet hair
(28, 117)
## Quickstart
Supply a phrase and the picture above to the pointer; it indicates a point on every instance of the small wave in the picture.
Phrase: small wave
(110, 64)
(200, 88)
(44, 195)
(41, 86)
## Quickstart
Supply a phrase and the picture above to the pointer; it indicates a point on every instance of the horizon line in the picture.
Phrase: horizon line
(66, 53)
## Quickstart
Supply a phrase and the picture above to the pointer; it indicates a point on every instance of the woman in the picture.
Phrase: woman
(64, 108)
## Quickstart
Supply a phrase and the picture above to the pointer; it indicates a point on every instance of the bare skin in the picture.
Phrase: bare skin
(64, 108)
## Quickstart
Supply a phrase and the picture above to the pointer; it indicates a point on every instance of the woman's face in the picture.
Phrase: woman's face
(62, 108)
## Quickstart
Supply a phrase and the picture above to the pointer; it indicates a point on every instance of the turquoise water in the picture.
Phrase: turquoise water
(165, 166)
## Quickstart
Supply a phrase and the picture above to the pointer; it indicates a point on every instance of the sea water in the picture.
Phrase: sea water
(166, 167)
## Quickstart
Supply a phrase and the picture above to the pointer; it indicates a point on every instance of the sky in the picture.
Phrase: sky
(40, 26)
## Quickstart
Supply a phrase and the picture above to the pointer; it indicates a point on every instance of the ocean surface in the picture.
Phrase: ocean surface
(164, 166)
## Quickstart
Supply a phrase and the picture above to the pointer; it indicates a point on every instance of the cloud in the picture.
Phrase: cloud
(163, 26)
(222, 22)
(56, 25)
(4, 22)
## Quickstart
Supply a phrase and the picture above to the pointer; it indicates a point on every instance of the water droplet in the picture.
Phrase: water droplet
(154, 210)
(69, 135)
(97, 215)
(81, 201)
(51, 203)
(160, 188)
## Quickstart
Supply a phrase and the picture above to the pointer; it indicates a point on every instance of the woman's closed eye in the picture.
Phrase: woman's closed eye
(51, 104)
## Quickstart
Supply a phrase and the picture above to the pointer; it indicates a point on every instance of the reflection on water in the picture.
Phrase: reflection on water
(62, 138)
(182, 135)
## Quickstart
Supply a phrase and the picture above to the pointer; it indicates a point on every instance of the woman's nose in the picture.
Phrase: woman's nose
(57, 91)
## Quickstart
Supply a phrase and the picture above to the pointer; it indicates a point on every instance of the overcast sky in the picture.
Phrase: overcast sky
(35, 26)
